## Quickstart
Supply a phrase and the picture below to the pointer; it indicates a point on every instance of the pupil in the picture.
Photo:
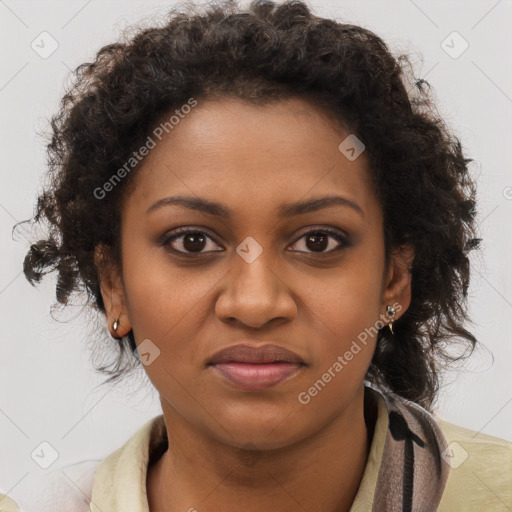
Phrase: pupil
(314, 239)
(195, 242)
(191, 245)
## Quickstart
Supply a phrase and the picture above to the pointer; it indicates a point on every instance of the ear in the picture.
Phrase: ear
(112, 291)
(397, 287)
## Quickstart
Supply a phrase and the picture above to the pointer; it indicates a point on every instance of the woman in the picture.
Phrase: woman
(274, 222)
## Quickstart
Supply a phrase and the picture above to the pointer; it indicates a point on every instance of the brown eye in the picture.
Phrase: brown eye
(318, 240)
(189, 241)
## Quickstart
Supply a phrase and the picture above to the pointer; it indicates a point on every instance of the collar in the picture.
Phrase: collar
(404, 470)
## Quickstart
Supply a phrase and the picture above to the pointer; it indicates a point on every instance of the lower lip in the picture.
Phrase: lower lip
(256, 377)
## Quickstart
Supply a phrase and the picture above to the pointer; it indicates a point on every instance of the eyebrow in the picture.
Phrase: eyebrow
(284, 211)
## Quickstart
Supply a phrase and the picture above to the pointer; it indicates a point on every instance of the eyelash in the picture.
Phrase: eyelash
(181, 232)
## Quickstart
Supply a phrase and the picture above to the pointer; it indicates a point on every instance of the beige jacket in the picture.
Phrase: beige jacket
(480, 478)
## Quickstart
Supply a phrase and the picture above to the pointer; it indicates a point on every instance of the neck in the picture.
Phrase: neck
(319, 473)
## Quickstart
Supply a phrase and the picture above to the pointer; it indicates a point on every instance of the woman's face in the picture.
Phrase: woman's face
(254, 275)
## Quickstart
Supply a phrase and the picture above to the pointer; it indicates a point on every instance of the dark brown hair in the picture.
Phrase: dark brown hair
(263, 53)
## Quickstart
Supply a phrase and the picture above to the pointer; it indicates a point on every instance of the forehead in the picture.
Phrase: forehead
(253, 157)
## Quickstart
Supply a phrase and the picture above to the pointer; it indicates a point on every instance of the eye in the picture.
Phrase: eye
(188, 241)
(317, 240)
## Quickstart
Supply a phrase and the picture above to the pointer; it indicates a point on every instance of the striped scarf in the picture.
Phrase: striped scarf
(413, 474)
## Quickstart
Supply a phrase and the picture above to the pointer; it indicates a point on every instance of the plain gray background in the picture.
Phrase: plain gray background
(49, 391)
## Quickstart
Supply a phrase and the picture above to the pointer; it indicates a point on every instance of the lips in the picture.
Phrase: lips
(256, 368)
(244, 353)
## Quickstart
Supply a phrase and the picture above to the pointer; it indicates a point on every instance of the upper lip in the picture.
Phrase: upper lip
(244, 353)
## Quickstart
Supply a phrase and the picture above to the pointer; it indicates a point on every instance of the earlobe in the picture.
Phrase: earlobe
(398, 285)
(112, 292)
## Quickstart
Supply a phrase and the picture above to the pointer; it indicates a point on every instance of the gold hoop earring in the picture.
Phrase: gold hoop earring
(390, 313)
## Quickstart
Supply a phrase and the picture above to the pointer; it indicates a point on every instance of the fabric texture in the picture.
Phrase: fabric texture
(412, 474)
(417, 462)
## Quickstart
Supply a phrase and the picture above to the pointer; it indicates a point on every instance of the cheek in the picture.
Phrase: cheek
(349, 301)
(343, 314)
(167, 308)
(162, 302)
(338, 374)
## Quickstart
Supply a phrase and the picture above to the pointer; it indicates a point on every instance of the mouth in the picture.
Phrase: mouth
(256, 368)
(257, 376)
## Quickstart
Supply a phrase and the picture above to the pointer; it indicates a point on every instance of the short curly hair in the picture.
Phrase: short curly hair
(262, 53)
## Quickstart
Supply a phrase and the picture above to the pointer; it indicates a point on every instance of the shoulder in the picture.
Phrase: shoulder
(7, 504)
(481, 470)
(66, 489)
(70, 488)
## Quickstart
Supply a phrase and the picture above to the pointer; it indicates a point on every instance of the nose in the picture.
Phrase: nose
(254, 293)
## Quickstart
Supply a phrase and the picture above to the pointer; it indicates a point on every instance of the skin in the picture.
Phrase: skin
(233, 449)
